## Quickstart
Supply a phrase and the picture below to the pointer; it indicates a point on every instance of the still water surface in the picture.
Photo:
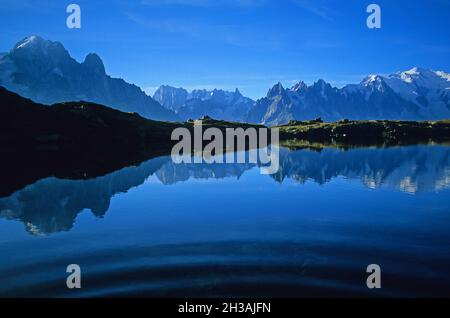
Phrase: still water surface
(164, 229)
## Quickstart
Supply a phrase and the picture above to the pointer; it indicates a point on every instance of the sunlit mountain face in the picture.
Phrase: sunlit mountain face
(415, 94)
(45, 72)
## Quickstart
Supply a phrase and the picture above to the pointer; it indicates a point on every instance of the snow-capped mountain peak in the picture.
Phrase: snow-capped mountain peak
(415, 94)
(426, 88)
(39, 49)
(44, 71)
(374, 83)
(35, 43)
(371, 80)
(27, 42)
(443, 75)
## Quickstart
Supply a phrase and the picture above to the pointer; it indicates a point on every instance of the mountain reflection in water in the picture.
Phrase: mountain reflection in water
(204, 230)
(51, 204)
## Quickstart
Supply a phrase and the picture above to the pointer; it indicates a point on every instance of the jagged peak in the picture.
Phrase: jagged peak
(93, 61)
(170, 88)
(200, 91)
(422, 76)
(278, 86)
(299, 86)
(320, 83)
(277, 89)
(416, 72)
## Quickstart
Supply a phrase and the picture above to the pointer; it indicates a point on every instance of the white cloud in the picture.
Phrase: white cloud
(316, 7)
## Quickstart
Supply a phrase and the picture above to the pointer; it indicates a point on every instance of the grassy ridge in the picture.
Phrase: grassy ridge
(366, 132)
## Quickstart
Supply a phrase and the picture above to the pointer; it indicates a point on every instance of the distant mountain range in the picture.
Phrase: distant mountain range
(45, 72)
(216, 103)
(417, 94)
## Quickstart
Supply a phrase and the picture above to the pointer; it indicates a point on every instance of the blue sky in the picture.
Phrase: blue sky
(249, 44)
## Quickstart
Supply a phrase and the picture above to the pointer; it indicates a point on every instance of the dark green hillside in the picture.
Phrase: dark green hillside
(374, 132)
(77, 125)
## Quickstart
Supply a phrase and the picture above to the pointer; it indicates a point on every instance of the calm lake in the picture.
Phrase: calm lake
(163, 229)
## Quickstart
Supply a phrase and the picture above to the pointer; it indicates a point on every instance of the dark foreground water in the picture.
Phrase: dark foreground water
(162, 229)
